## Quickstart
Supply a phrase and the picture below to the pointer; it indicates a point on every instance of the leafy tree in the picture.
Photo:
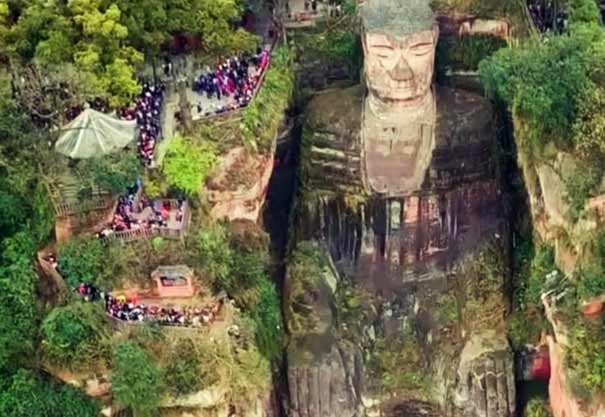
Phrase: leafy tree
(17, 302)
(213, 21)
(12, 215)
(82, 259)
(75, 335)
(136, 380)
(187, 164)
(583, 11)
(26, 395)
(216, 254)
(114, 172)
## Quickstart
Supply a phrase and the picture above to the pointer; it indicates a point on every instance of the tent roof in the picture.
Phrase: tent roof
(93, 133)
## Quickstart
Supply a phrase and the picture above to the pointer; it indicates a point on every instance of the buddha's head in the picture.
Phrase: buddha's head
(399, 42)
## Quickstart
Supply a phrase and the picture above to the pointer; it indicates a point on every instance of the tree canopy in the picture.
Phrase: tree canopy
(85, 49)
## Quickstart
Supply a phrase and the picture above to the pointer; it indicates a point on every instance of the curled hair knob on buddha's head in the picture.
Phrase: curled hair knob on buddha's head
(398, 17)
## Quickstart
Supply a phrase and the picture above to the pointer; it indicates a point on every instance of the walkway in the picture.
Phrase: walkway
(186, 68)
(299, 16)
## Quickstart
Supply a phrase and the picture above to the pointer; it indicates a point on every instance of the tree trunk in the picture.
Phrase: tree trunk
(184, 108)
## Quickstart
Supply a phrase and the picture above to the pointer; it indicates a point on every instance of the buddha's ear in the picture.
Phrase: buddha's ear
(436, 32)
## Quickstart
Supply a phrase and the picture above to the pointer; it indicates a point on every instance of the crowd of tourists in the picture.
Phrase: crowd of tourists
(129, 310)
(236, 78)
(311, 6)
(135, 211)
(147, 112)
(97, 104)
(546, 16)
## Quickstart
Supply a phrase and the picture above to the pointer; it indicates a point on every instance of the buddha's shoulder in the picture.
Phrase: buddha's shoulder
(337, 110)
(463, 116)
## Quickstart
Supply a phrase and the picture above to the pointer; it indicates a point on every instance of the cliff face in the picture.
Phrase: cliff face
(402, 257)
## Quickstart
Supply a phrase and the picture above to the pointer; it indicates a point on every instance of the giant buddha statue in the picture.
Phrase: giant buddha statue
(400, 187)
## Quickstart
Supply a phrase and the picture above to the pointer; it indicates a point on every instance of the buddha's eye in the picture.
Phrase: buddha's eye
(422, 48)
(383, 51)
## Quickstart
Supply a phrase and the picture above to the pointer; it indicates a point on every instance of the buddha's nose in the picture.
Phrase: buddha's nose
(402, 71)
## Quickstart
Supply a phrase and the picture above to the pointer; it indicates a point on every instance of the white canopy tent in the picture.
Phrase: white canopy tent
(93, 134)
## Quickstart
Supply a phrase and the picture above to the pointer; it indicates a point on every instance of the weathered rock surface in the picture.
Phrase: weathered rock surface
(239, 189)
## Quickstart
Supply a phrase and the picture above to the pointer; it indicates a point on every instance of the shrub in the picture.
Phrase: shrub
(12, 215)
(76, 335)
(395, 364)
(306, 268)
(82, 259)
(544, 83)
(216, 254)
(184, 375)
(18, 309)
(537, 407)
(591, 282)
(187, 164)
(266, 315)
(261, 118)
(136, 380)
(584, 358)
(27, 395)
(582, 185)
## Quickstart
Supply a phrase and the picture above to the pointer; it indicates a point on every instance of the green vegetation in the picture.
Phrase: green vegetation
(22, 394)
(184, 373)
(136, 381)
(306, 268)
(482, 287)
(584, 358)
(582, 184)
(17, 302)
(340, 47)
(76, 336)
(215, 254)
(96, 48)
(510, 10)
(114, 173)
(553, 86)
(82, 259)
(396, 365)
(261, 119)
(469, 51)
(532, 263)
(591, 282)
(545, 82)
(237, 262)
(188, 163)
(537, 407)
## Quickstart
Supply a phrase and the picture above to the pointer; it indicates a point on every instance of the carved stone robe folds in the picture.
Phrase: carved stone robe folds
(398, 247)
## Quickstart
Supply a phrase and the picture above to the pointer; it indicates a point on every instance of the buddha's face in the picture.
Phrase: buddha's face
(400, 68)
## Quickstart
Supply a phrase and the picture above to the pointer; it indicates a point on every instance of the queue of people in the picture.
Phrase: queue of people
(135, 211)
(147, 112)
(546, 17)
(120, 308)
(236, 78)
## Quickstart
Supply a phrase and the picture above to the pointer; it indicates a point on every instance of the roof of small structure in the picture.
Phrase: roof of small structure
(173, 271)
(397, 17)
(93, 134)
